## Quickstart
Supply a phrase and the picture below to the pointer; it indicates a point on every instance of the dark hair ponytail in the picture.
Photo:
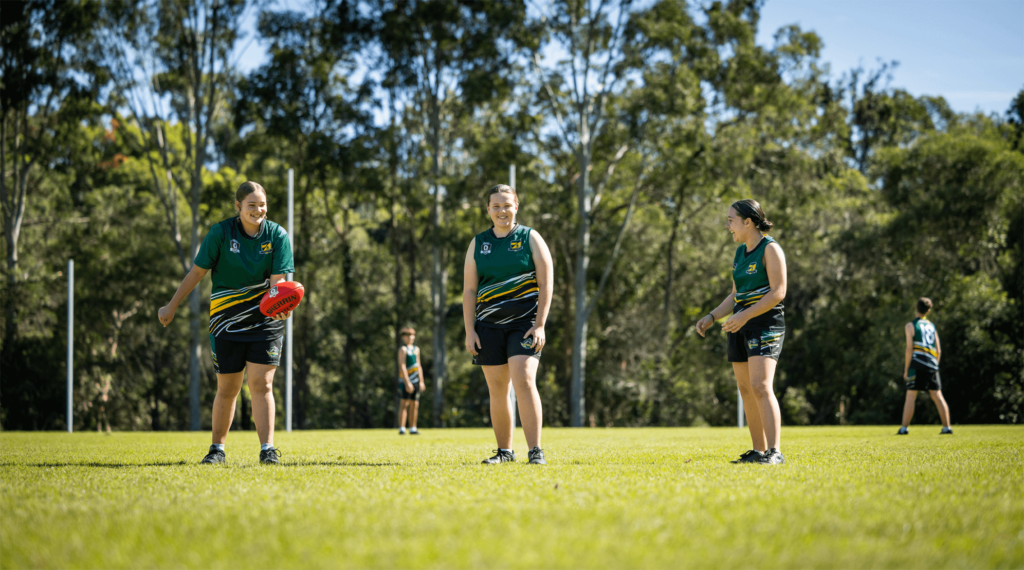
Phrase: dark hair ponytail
(751, 210)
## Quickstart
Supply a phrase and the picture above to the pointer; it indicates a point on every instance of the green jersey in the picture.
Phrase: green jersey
(240, 267)
(507, 290)
(926, 352)
(411, 365)
(751, 278)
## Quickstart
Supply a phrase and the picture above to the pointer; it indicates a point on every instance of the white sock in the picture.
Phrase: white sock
(401, 429)
(219, 446)
(266, 446)
(508, 450)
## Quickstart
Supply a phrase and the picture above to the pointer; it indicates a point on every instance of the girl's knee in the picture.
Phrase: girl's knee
(760, 389)
(261, 387)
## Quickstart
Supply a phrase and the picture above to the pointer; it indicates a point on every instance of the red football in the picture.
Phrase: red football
(281, 298)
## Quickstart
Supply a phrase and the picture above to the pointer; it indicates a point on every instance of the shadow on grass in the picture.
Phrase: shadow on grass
(97, 464)
(333, 464)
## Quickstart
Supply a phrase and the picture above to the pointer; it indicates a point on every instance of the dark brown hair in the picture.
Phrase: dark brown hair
(502, 189)
(924, 304)
(407, 330)
(751, 210)
(248, 188)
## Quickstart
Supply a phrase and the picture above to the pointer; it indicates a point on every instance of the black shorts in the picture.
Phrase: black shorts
(498, 345)
(744, 344)
(229, 356)
(407, 396)
(923, 378)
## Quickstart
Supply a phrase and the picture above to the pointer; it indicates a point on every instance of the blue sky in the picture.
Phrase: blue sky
(969, 51)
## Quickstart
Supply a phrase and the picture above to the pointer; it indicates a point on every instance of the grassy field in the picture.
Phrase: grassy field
(609, 498)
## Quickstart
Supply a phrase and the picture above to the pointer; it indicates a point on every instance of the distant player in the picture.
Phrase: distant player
(921, 366)
(248, 254)
(409, 385)
(506, 296)
(757, 326)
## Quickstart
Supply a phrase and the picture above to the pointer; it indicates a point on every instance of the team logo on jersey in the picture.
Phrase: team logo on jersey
(485, 248)
(235, 246)
(515, 245)
(734, 267)
(266, 247)
(274, 352)
(752, 268)
(527, 342)
(273, 292)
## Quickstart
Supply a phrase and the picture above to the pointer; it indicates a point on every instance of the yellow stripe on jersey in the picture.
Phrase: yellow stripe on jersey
(222, 304)
(925, 349)
(483, 299)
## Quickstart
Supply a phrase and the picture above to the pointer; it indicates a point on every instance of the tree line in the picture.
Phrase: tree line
(126, 126)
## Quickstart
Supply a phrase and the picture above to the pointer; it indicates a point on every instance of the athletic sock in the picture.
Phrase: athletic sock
(266, 446)
(219, 446)
(508, 450)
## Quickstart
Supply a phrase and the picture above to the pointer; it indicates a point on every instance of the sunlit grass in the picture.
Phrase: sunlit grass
(609, 498)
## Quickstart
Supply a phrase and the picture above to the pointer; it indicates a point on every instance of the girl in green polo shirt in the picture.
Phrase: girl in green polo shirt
(757, 327)
(506, 296)
(247, 255)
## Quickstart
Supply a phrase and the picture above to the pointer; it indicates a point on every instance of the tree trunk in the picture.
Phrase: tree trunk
(438, 268)
(579, 341)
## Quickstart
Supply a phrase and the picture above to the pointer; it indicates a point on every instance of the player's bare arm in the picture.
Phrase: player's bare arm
(909, 329)
(192, 278)
(545, 270)
(470, 282)
(723, 309)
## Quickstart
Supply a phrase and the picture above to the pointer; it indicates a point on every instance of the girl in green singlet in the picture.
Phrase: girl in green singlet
(757, 327)
(246, 255)
(505, 300)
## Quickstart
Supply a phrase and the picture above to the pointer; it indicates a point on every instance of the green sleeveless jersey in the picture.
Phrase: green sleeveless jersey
(507, 289)
(751, 278)
(411, 365)
(926, 351)
(240, 266)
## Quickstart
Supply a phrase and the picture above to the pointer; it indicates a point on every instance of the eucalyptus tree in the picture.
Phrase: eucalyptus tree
(451, 56)
(49, 85)
(171, 63)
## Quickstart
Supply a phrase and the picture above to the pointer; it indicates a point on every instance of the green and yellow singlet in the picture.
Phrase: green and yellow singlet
(240, 267)
(926, 351)
(507, 290)
(751, 278)
(411, 365)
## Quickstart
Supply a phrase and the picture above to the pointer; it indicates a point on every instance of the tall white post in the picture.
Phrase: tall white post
(71, 343)
(739, 409)
(288, 323)
(512, 389)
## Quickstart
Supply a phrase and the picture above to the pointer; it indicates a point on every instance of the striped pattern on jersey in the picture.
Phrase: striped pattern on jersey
(238, 310)
(411, 365)
(749, 298)
(925, 348)
(514, 299)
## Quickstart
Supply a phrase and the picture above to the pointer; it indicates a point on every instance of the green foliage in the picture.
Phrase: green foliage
(651, 498)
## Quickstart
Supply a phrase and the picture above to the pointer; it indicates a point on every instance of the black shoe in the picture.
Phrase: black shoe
(502, 456)
(269, 456)
(414, 431)
(401, 432)
(537, 456)
(214, 457)
(772, 457)
(751, 456)
(946, 431)
(903, 431)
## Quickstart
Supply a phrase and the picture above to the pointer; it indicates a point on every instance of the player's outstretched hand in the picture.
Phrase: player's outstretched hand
(704, 324)
(166, 315)
(473, 343)
(282, 316)
(539, 338)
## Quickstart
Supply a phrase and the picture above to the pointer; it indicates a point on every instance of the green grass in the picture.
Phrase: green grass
(609, 498)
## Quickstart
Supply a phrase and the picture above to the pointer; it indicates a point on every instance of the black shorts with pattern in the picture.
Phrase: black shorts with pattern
(746, 343)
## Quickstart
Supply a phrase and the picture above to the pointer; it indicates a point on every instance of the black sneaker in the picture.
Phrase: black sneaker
(269, 456)
(537, 456)
(772, 457)
(214, 457)
(401, 431)
(502, 456)
(751, 456)
(946, 431)
(414, 431)
(903, 431)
